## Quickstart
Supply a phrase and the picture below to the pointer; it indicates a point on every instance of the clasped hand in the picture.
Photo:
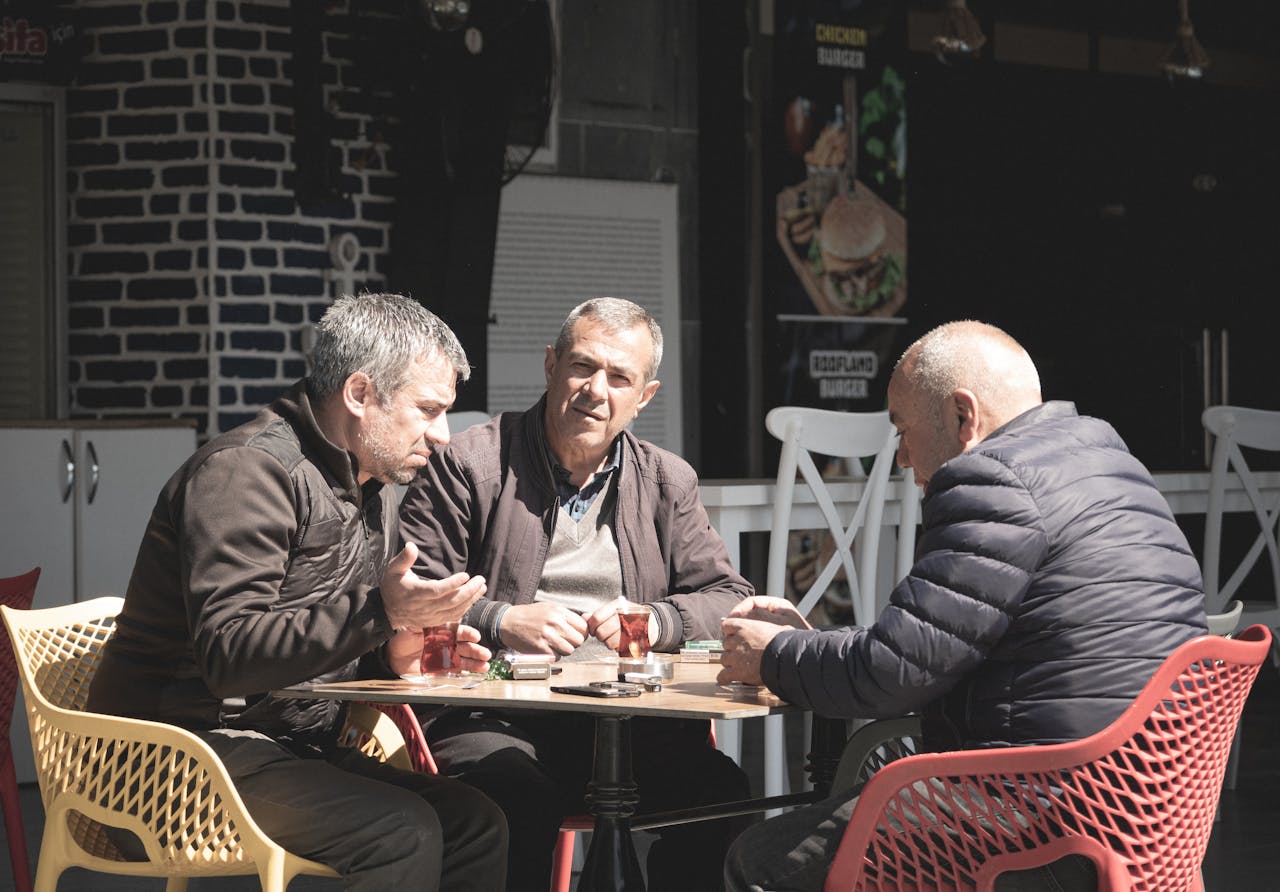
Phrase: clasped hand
(747, 631)
(543, 627)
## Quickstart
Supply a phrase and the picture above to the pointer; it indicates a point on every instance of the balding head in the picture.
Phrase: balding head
(977, 357)
(955, 386)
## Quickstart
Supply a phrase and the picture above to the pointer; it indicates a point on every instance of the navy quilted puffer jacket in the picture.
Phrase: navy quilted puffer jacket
(1050, 581)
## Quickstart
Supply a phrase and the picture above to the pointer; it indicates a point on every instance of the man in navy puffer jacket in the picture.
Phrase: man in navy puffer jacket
(1050, 582)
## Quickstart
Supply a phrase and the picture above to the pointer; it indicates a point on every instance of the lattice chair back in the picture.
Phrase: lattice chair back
(16, 592)
(1138, 798)
(160, 782)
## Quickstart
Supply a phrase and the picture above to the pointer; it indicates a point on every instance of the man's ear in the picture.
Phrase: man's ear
(969, 418)
(549, 363)
(358, 393)
(650, 391)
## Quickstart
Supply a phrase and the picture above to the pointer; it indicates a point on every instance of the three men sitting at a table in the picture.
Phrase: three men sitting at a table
(562, 509)
(1050, 582)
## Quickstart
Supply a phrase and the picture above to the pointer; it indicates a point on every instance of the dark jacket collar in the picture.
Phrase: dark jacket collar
(1035, 415)
(338, 464)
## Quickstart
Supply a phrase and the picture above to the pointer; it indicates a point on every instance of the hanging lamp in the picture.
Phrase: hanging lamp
(961, 37)
(1186, 58)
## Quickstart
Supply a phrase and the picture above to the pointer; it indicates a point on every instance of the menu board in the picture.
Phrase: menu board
(835, 255)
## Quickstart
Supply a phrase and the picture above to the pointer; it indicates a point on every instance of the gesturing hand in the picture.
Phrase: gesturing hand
(414, 603)
(542, 627)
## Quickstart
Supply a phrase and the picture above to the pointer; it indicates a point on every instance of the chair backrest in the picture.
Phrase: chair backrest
(408, 748)
(1137, 798)
(1232, 428)
(59, 648)
(1225, 623)
(852, 436)
(16, 592)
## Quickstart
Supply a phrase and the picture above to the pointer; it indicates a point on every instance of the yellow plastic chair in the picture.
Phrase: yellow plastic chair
(95, 771)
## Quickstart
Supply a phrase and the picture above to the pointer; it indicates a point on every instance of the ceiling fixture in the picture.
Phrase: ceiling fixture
(961, 37)
(1186, 58)
(445, 15)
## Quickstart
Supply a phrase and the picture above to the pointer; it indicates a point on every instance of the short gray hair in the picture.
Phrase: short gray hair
(615, 314)
(381, 335)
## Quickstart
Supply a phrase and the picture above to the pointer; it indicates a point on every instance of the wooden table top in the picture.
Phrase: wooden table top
(691, 693)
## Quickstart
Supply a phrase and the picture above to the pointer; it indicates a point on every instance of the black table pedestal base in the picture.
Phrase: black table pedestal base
(611, 862)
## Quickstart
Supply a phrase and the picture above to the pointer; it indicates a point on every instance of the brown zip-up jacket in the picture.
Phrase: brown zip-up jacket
(487, 504)
(258, 569)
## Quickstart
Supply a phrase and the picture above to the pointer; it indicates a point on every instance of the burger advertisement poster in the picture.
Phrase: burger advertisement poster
(835, 165)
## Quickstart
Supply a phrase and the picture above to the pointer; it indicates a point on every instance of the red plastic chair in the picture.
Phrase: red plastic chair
(1138, 798)
(420, 754)
(16, 592)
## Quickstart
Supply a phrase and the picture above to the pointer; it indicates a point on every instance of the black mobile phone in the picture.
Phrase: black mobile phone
(599, 689)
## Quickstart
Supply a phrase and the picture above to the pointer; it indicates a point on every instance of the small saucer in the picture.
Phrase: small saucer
(414, 676)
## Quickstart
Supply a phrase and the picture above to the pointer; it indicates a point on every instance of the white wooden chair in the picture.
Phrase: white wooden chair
(1234, 427)
(852, 436)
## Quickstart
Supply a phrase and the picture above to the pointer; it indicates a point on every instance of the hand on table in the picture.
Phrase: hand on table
(412, 602)
(543, 628)
(404, 651)
(747, 631)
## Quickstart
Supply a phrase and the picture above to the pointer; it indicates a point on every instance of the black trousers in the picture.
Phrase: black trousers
(378, 826)
(536, 766)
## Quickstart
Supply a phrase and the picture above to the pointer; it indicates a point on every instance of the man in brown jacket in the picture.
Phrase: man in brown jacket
(563, 510)
(270, 560)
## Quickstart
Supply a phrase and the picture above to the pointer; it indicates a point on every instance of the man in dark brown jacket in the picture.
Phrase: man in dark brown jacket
(563, 510)
(269, 560)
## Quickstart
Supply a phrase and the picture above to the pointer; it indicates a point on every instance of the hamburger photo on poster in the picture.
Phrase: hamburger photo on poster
(840, 222)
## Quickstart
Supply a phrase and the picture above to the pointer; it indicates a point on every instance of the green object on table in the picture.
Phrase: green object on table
(705, 644)
(499, 669)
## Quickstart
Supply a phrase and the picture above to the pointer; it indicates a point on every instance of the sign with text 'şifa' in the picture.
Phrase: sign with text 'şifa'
(38, 42)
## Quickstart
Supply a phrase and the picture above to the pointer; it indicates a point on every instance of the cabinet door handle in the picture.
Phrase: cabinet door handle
(69, 462)
(94, 471)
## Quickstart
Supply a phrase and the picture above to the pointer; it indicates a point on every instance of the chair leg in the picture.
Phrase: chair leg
(562, 861)
(175, 884)
(775, 759)
(53, 860)
(13, 825)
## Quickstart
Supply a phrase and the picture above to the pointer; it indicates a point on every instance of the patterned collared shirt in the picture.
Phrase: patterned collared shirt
(577, 502)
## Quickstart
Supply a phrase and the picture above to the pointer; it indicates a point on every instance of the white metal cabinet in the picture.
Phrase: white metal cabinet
(75, 498)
